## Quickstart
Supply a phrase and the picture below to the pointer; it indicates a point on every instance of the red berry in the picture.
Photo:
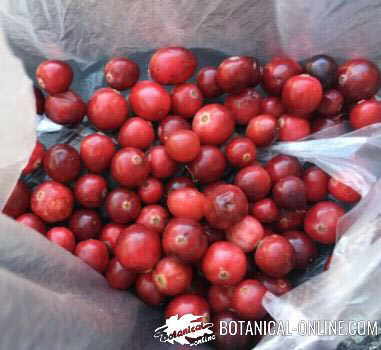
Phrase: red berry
(170, 124)
(219, 298)
(206, 81)
(316, 184)
(178, 183)
(146, 289)
(63, 237)
(321, 123)
(85, 224)
(118, 277)
(305, 249)
(94, 253)
(35, 159)
(195, 203)
(136, 132)
(262, 130)
(40, 100)
(90, 190)
(272, 105)
(19, 200)
(290, 220)
(281, 166)
(151, 191)
(183, 145)
(154, 217)
(255, 181)
(188, 304)
(292, 128)
(332, 103)
(54, 76)
(110, 234)
(241, 152)
(365, 113)
(322, 67)
(187, 99)
(213, 234)
(265, 210)
(290, 193)
(32, 221)
(121, 73)
(342, 192)
(122, 205)
(277, 286)
(162, 165)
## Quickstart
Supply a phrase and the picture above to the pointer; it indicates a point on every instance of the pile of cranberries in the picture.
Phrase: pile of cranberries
(175, 228)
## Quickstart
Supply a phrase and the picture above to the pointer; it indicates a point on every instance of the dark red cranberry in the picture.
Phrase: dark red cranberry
(63, 237)
(154, 217)
(40, 100)
(35, 159)
(281, 166)
(136, 132)
(290, 220)
(146, 289)
(183, 145)
(94, 253)
(209, 188)
(241, 152)
(342, 192)
(122, 205)
(188, 304)
(262, 129)
(332, 103)
(220, 298)
(110, 234)
(316, 184)
(213, 234)
(289, 193)
(162, 165)
(151, 191)
(121, 73)
(293, 128)
(272, 105)
(322, 67)
(170, 124)
(265, 210)
(178, 183)
(320, 123)
(365, 113)
(187, 99)
(54, 76)
(90, 190)
(85, 224)
(118, 277)
(305, 249)
(206, 82)
(18, 201)
(255, 181)
(277, 286)
(195, 203)
(32, 221)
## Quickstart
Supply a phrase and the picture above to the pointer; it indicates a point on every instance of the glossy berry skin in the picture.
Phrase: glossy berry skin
(322, 67)
(146, 289)
(290, 220)
(96, 152)
(138, 248)
(177, 183)
(254, 181)
(94, 253)
(214, 124)
(85, 224)
(272, 105)
(262, 130)
(321, 221)
(90, 190)
(365, 113)
(206, 82)
(241, 152)
(52, 201)
(65, 108)
(219, 298)
(237, 73)
(54, 76)
(293, 128)
(161, 164)
(275, 256)
(63, 237)
(244, 106)
(209, 165)
(110, 234)
(265, 210)
(129, 167)
(331, 103)
(154, 217)
(290, 193)
(121, 73)
(213, 234)
(247, 299)
(188, 304)
(62, 163)
(118, 277)
(316, 184)
(187, 99)
(277, 286)
(151, 190)
(224, 263)
(150, 100)
(281, 166)
(194, 199)
(18, 201)
(277, 72)
(107, 109)
(122, 205)
(35, 159)
(342, 192)
(40, 100)
(358, 79)
(183, 146)
(136, 132)
(32, 221)
(170, 124)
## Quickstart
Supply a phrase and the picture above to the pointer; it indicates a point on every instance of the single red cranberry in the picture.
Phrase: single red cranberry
(275, 256)
(146, 289)
(241, 152)
(136, 132)
(122, 205)
(187, 99)
(188, 304)
(35, 159)
(290, 220)
(327, 263)
(178, 183)
(321, 221)
(195, 203)
(62, 163)
(277, 286)
(19, 200)
(151, 190)
(154, 217)
(365, 113)
(94, 253)
(220, 297)
(265, 210)
(52, 201)
(281, 166)
(214, 124)
(54, 76)
(40, 100)
(316, 184)
(262, 129)
(332, 103)
(272, 105)
(293, 128)
(321, 123)
(97, 151)
(107, 109)
(32, 221)
(110, 234)
(206, 82)
(290, 193)
(224, 263)
(170, 124)
(358, 79)
(244, 105)
(118, 277)
(213, 234)
(90, 190)
(162, 165)
(209, 188)
(85, 224)
(121, 73)
(304, 247)
(342, 192)
(63, 237)
(322, 67)
(277, 72)
(183, 145)
(138, 248)
(255, 181)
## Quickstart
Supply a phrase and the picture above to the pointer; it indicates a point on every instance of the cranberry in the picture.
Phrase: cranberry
(292, 128)
(35, 159)
(237, 73)
(272, 105)
(107, 109)
(219, 297)
(195, 202)
(281, 166)
(130, 167)
(365, 113)
(170, 124)
(187, 99)
(213, 234)
(97, 151)
(247, 299)
(209, 165)
(136, 132)
(342, 192)
(332, 103)
(54, 76)
(18, 201)
(146, 289)
(214, 124)
(262, 129)
(138, 248)
(52, 201)
(316, 184)
(122, 205)
(322, 67)
(188, 304)
(290, 220)
(94, 253)
(358, 79)
(265, 210)
(241, 152)
(318, 124)
(65, 108)
(305, 249)
(121, 73)
(62, 163)
(275, 256)
(151, 191)
(63, 237)
(226, 205)
(150, 100)
(224, 263)
(32, 221)
(209, 188)
(185, 239)
(154, 217)
(277, 286)
(255, 181)
(321, 221)
(289, 192)
(178, 183)
(162, 165)
(110, 234)
(206, 82)
(246, 233)
(118, 277)
(90, 190)
(183, 145)
(85, 224)
(244, 105)
(277, 72)
(40, 100)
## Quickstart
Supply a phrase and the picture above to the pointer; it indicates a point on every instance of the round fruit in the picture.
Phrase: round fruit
(177, 183)
(292, 128)
(365, 113)
(332, 103)
(321, 123)
(121, 73)
(272, 105)
(305, 249)
(90, 190)
(262, 130)
(188, 304)
(35, 159)
(63, 237)
(322, 67)
(195, 203)
(94, 253)
(254, 181)
(136, 132)
(183, 145)
(32, 221)
(110, 234)
(219, 298)
(290, 220)
(146, 289)
(290, 193)
(187, 99)
(170, 124)
(162, 165)
(206, 82)
(342, 192)
(265, 210)
(122, 205)
(281, 166)
(54, 76)
(85, 224)
(154, 217)
(241, 152)
(19, 200)
(118, 277)
(151, 191)
(316, 184)
(277, 286)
